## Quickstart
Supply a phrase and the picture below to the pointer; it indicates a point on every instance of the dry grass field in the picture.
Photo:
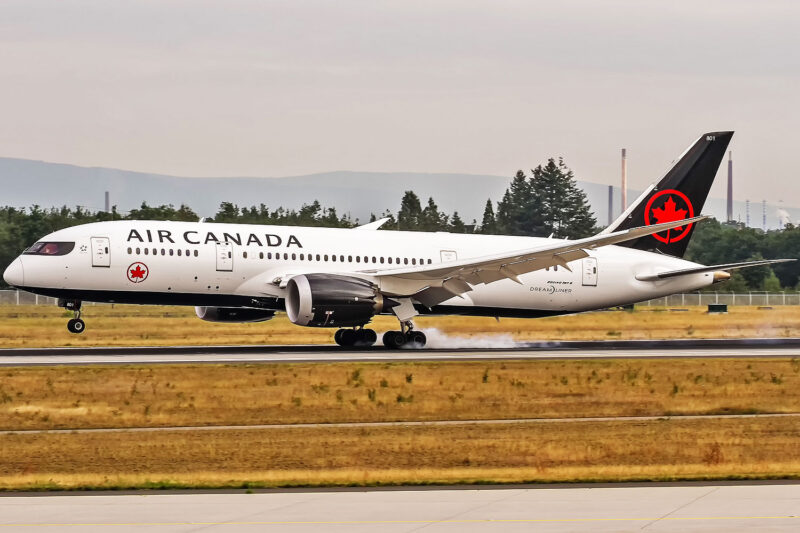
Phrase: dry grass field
(127, 325)
(552, 452)
(186, 395)
(44, 398)
(115, 396)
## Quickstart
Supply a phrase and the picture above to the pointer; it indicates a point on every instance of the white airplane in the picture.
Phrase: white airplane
(341, 278)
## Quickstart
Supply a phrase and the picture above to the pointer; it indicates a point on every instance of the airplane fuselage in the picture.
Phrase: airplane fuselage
(210, 264)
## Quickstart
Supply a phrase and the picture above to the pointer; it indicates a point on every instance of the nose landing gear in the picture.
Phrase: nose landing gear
(360, 338)
(74, 325)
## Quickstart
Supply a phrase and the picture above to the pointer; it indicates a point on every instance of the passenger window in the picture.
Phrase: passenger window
(326, 257)
(341, 259)
(244, 254)
(147, 251)
(302, 256)
(129, 251)
(285, 256)
(171, 251)
(381, 260)
(405, 260)
(317, 257)
(349, 258)
(333, 257)
(414, 261)
(358, 259)
(138, 251)
(179, 252)
(155, 252)
(429, 261)
(163, 252)
(195, 253)
(294, 257)
(390, 260)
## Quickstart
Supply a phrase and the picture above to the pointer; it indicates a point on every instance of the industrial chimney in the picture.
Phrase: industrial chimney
(730, 186)
(624, 205)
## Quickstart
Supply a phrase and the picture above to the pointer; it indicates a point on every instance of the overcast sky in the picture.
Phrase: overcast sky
(285, 88)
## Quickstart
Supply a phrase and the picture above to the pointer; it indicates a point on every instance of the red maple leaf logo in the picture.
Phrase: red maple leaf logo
(668, 213)
(137, 272)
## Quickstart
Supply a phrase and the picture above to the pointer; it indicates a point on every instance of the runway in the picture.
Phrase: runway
(769, 506)
(713, 348)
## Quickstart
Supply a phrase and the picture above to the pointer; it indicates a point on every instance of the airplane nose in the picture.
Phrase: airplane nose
(14, 274)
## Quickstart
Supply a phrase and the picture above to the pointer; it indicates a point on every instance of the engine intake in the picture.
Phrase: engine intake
(329, 300)
(233, 314)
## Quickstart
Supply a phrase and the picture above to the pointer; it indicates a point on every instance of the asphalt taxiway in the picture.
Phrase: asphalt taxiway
(729, 507)
(713, 348)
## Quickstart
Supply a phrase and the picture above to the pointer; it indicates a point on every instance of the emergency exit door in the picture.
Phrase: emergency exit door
(100, 252)
(590, 271)
(224, 257)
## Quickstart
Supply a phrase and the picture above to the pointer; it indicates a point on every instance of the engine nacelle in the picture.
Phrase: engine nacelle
(329, 300)
(233, 314)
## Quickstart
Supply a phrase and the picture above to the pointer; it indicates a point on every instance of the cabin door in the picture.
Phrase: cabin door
(448, 255)
(224, 257)
(590, 271)
(100, 252)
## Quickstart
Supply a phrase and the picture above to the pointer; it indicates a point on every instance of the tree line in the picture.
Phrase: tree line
(544, 202)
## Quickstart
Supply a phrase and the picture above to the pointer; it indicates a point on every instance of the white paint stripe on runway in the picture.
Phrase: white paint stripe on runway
(335, 356)
(400, 423)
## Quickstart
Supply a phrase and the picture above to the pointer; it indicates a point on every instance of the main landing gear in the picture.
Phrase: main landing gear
(407, 337)
(74, 325)
(360, 338)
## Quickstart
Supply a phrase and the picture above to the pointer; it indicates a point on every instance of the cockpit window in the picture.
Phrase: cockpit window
(50, 248)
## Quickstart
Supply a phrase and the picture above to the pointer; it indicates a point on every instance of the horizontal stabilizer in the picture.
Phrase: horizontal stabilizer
(712, 268)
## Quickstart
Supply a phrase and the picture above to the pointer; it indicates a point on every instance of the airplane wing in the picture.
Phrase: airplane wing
(443, 281)
(711, 268)
(373, 225)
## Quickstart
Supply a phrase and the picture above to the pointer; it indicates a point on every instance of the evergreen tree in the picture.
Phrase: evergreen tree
(456, 224)
(563, 209)
(488, 223)
(410, 214)
(432, 219)
(503, 217)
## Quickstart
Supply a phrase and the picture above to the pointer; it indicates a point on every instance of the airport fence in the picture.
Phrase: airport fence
(759, 298)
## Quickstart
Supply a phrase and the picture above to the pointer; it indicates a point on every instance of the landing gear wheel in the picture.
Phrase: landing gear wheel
(361, 338)
(394, 339)
(76, 325)
(416, 339)
(366, 337)
(348, 337)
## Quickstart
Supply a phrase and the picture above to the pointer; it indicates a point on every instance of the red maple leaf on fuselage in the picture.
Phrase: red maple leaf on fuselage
(137, 272)
(668, 213)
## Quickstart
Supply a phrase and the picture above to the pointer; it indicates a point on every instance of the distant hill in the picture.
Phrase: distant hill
(26, 182)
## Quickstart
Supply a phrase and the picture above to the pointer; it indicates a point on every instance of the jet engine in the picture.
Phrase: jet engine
(329, 300)
(233, 314)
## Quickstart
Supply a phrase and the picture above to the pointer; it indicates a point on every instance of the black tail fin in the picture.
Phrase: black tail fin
(680, 194)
